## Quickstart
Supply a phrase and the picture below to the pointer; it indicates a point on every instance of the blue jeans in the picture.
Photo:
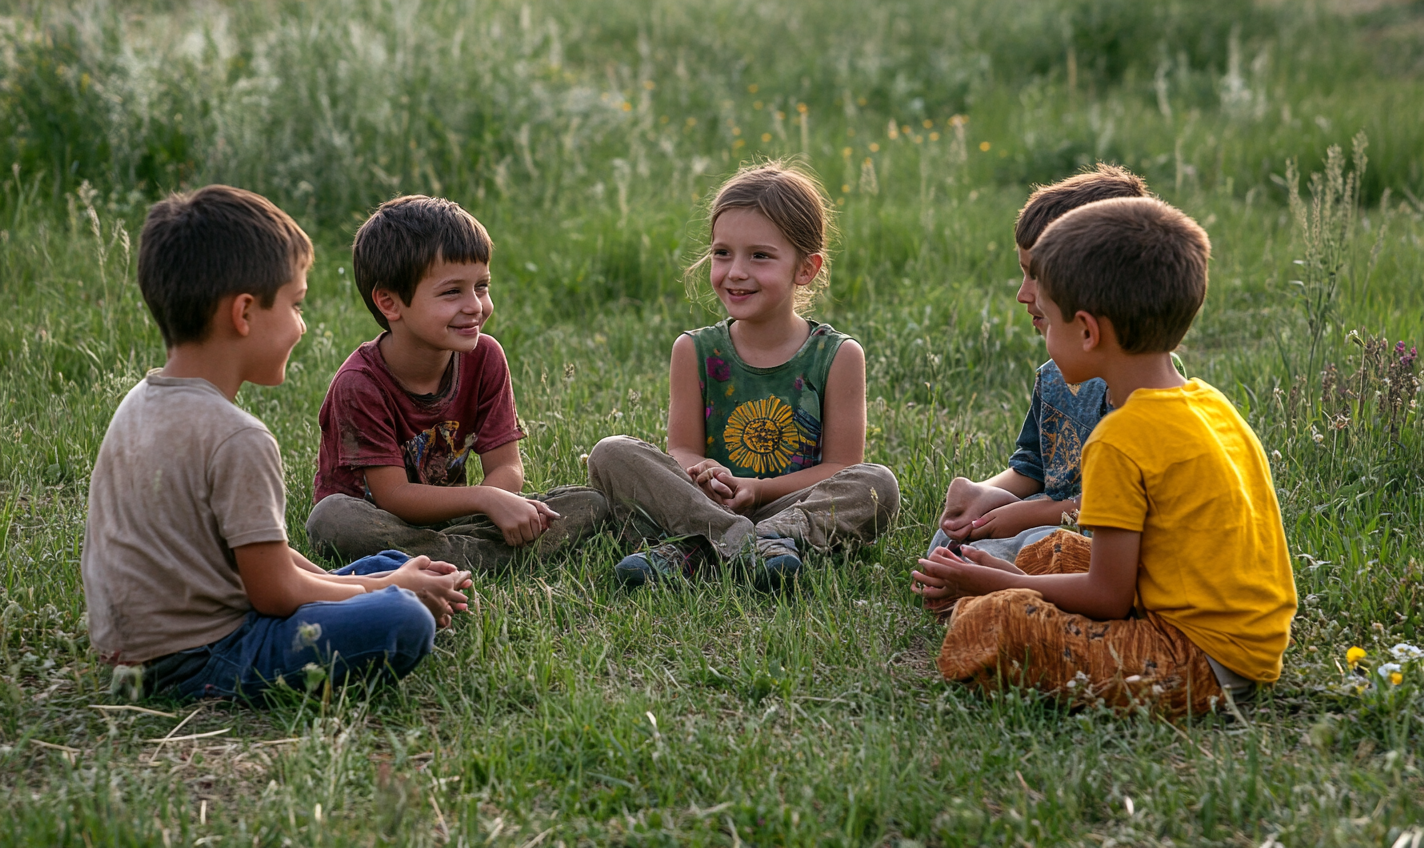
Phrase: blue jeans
(381, 635)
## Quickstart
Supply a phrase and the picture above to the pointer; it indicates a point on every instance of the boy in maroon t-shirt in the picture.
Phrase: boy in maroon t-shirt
(405, 411)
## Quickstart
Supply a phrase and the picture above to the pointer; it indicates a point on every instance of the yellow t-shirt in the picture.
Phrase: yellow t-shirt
(1183, 468)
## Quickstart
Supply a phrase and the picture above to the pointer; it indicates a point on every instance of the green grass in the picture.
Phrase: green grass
(564, 710)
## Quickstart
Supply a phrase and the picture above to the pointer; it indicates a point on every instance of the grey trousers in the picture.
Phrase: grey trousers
(646, 486)
(1007, 549)
(353, 528)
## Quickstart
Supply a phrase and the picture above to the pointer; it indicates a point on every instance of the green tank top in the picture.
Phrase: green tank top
(763, 422)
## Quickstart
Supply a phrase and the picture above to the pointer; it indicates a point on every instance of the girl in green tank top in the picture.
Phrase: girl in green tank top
(766, 411)
(763, 422)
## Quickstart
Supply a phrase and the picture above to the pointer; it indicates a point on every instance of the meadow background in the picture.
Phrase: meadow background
(586, 136)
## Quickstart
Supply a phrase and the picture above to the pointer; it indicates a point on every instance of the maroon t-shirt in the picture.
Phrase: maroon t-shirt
(369, 420)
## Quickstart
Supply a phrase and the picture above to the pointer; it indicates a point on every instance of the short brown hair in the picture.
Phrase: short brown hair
(1050, 202)
(199, 248)
(794, 201)
(1137, 261)
(404, 237)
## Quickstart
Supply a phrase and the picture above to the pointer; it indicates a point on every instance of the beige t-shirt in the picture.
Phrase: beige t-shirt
(183, 477)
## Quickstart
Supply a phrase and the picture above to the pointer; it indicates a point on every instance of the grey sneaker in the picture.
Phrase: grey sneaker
(780, 563)
(667, 561)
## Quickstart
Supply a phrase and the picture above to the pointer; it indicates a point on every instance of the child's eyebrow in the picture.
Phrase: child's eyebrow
(760, 247)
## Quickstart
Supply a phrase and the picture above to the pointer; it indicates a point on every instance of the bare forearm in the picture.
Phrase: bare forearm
(282, 596)
(1048, 511)
(416, 503)
(771, 488)
(307, 565)
(1079, 593)
(1075, 593)
(1015, 483)
(685, 457)
(506, 478)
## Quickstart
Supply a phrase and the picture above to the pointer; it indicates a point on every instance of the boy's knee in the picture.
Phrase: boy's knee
(327, 518)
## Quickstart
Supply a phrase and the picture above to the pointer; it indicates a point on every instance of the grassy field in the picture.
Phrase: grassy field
(565, 711)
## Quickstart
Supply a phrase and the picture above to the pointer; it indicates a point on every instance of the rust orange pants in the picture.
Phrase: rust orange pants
(1014, 637)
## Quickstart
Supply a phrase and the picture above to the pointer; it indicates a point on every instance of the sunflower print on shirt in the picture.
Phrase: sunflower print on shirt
(762, 435)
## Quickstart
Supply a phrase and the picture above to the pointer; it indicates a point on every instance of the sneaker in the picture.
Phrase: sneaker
(666, 561)
(779, 565)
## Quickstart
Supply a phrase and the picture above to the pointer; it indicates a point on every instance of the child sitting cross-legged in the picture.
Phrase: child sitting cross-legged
(766, 409)
(408, 411)
(187, 574)
(1176, 490)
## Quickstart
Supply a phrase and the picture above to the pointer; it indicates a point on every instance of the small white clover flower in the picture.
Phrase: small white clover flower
(1405, 651)
(1389, 669)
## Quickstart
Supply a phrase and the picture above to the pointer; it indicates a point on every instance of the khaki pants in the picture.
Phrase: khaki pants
(1014, 637)
(354, 528)
(646, 487)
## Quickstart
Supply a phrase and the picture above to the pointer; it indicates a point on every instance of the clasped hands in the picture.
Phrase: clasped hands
(739, 494)
(439, 586)
(974, 511)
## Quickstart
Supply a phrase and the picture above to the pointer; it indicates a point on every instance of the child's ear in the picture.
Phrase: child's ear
(239, 312)
(810, 267)
(388, 303)
(1093, 329)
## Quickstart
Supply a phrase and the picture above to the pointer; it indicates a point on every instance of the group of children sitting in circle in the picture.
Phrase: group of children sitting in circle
(1182, 598)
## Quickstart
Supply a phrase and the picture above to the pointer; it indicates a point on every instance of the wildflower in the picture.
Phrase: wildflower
(307, 635)
(1354, 655)
(1319, 439)
(1405, 651)
(312, 676)
(1390, 672)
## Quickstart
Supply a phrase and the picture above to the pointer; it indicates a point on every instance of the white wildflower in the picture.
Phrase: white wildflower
(1405, 652)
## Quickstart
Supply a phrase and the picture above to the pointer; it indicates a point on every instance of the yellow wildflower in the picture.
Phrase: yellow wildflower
(1354, 655)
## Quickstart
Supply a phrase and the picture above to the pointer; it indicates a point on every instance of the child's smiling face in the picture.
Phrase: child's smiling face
(449, 308)
(275, 332)
(755, 269)
(1028, 293)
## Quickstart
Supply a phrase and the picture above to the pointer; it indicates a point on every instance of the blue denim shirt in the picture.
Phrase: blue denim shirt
(1062, 415)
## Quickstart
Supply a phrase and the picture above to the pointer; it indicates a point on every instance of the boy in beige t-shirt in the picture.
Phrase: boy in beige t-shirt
(187, 573)
(1176, 489)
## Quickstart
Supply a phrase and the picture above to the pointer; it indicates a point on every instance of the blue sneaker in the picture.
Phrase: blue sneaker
(779, 566)
(666, 561)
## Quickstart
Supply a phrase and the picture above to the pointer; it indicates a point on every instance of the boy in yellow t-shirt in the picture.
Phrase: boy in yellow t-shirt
(1187, 535)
